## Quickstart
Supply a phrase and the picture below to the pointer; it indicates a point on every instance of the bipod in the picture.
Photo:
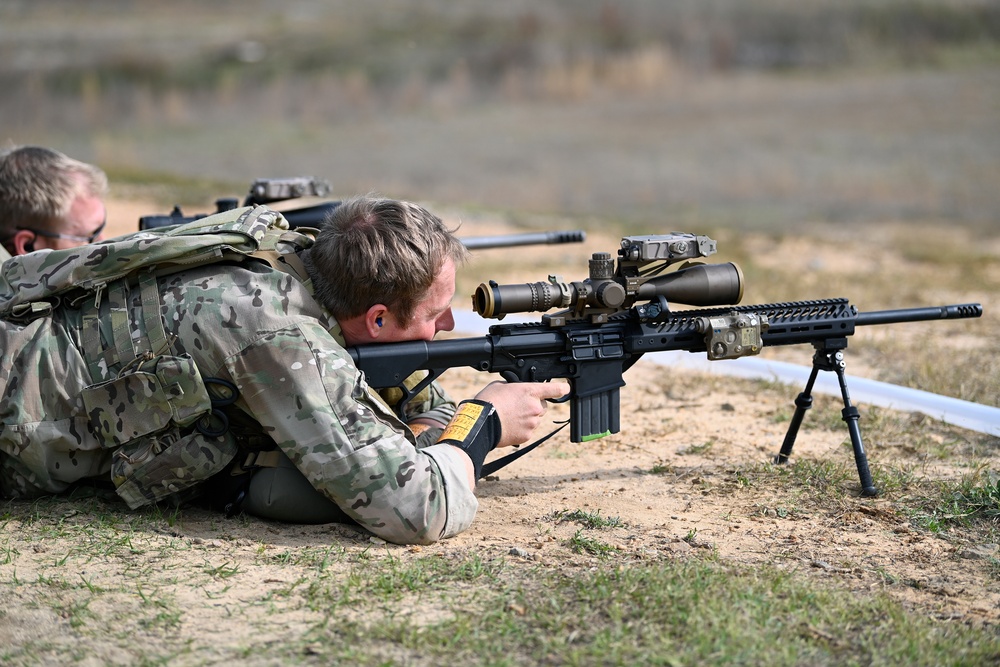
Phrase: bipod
(829, 356)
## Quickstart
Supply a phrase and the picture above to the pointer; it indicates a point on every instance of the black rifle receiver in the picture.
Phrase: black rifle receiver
(604, 329)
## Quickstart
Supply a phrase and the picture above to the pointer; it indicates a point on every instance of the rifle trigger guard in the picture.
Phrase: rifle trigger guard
(510, 376)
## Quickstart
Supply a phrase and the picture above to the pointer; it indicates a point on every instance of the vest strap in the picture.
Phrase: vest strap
(151, 313)
(102, 358)
(118, 302)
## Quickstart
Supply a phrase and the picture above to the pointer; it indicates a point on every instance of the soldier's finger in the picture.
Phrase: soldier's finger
(554, 389)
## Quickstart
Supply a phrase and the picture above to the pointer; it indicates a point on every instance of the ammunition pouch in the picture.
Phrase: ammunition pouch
(159, 453)
(166, 391)
(168, 464)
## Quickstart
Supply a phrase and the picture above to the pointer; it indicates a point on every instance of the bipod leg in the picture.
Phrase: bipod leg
(851, 416)
(803, 402)
(829, 356)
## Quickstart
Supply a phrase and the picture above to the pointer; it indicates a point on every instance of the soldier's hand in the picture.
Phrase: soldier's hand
(520, 406)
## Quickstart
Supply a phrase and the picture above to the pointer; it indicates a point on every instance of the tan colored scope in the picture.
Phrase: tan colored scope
(698, 285)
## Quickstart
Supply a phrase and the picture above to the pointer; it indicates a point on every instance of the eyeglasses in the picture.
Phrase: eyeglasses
(68, 237)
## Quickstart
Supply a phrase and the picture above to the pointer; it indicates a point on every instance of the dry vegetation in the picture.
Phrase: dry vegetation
(832, 148)
(645, 112)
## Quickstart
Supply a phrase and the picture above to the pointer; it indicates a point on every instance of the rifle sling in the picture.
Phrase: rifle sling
(493, 466)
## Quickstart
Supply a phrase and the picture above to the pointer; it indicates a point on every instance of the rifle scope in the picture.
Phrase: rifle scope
(697, 285)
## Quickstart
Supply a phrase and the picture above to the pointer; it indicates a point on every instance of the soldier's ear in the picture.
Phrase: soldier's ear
(23, 241)
(375, 319)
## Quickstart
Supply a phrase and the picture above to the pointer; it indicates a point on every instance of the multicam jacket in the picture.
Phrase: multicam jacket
(119, 379)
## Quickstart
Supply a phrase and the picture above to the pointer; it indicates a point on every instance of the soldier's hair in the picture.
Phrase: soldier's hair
(374, 250)
(38, 186)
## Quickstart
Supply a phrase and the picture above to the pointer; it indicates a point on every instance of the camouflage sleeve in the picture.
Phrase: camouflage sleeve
(306, 393)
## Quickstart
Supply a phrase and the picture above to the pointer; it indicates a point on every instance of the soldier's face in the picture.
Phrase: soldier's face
(431, 315)
(83, 224)
(87, 217)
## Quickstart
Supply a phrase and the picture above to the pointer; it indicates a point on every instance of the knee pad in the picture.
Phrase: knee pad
(282, 493)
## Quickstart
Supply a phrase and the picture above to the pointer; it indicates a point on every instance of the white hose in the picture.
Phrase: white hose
(973, 416)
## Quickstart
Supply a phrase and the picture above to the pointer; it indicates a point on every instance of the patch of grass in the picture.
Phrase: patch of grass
(822, 476)
(561, 453)
(913, 433)
(661, 469)
(825, 412)
(742, 479)
(582, 544)
(782, 511)
(164, 614)
(698, 448)
(317, 558)
(982, 502)
(589, 519)
(224, 571)
(695, 612)
(891, 480)
(973, 501)
(390, 578)
(826, 478)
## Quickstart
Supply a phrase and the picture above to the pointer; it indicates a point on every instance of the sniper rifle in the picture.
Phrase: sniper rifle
(621, 312)
(305, 202)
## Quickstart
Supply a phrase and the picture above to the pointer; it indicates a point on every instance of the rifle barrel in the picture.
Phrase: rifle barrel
(952, 312)
(530, 238)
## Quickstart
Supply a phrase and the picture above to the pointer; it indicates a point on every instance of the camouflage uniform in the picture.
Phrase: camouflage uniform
(116, 382)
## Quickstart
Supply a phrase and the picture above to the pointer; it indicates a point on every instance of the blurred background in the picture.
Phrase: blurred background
(651, 114)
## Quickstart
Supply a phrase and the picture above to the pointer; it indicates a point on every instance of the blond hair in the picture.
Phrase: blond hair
(38, 186)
